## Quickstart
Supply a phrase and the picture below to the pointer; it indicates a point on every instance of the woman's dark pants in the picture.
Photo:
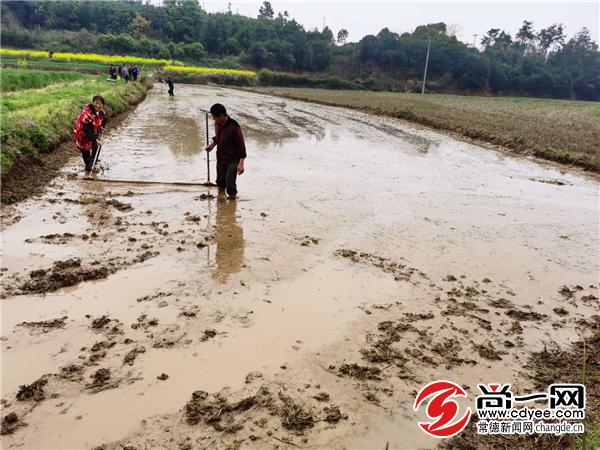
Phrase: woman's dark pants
(88, 157)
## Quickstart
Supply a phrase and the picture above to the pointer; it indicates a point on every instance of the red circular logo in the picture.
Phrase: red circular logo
(443, 411)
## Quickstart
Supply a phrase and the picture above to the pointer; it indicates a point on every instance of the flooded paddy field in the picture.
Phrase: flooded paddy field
(364, 258)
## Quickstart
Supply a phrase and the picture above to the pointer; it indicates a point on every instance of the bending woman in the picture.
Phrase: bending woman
(87, 130)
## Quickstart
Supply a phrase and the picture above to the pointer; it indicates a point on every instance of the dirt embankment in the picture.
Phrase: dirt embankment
(29, 174)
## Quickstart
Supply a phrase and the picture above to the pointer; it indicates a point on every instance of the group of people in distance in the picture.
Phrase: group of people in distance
(229, 140)
(126, 72)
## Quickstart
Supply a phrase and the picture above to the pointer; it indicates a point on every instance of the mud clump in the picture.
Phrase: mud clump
(560, 311)
(322, 397)
(253, 376)
(106, 325)
(360, 372)
(204, 197)
(449, 350)
(163, 376)
(307, 241)
(488, 352)
(333, 414)
(130, 356)
(54, 238)
(68, 264)
(399, 271)
(123, 207)
(99, 378)
(208, 334)
(147, 298)
(71, 372)
(194, 219)
(63, 274)
(501, 303)
(45, 325)
(589, 298)
(101, 322)
(10, 423)
(544, 368)
(420, 316)
(521, 315)
(215, 410)
(33, 391)
(144, 323)
(294, 415)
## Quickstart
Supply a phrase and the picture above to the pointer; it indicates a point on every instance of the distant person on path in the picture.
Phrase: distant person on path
(112, 72)
(170, 83)
(231, 150)
(87, 130)
(126, 73)
(134, 72)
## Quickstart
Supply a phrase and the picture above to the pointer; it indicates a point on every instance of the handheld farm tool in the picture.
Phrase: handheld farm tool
(208, 183)
(96, 158)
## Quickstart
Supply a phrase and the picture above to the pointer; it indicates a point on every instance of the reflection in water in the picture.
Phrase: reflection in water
(230, 241)
(93, 205)
(181, 134)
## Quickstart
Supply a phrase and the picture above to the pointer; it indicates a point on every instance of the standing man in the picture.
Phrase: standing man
(231, 150)
(170, 83)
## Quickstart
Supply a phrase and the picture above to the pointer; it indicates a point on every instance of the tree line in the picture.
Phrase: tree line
(539, 63)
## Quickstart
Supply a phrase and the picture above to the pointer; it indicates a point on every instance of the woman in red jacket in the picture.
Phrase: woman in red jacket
(87, 130)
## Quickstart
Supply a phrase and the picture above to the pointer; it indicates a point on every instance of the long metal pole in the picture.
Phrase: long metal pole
(426, 63)
(207, 153)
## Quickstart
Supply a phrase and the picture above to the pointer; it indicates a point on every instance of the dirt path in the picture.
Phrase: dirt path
(363, 259)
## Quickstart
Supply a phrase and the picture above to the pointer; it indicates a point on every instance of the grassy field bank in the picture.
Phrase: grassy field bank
(558, 130)
(16, 79)
(55, 65)
(37, 120)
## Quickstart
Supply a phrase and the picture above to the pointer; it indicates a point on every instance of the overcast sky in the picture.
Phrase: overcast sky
(470, 17)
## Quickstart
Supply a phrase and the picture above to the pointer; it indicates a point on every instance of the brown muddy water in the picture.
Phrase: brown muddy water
(364, 258)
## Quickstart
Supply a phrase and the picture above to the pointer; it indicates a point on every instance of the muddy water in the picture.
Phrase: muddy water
(258, 285)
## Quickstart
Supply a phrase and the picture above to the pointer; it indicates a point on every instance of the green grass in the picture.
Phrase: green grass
(52, 64)
(37, 120)
(592, 440)
(19, 79)
(559, 130)
(23, 100)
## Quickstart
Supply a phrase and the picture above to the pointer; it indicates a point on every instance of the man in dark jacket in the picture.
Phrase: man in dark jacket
(170, 83)
(231, 150)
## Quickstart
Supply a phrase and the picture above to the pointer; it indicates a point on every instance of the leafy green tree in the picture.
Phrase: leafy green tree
(342, 36)
(266, 11)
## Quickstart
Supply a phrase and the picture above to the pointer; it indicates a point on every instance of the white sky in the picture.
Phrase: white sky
(361, 18)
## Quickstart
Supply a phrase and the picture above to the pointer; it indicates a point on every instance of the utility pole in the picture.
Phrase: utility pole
(323, 23)
(474, 39)
(426, 64)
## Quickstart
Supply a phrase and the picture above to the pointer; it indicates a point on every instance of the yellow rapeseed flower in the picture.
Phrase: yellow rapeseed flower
(108, 59)
(206, 70)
